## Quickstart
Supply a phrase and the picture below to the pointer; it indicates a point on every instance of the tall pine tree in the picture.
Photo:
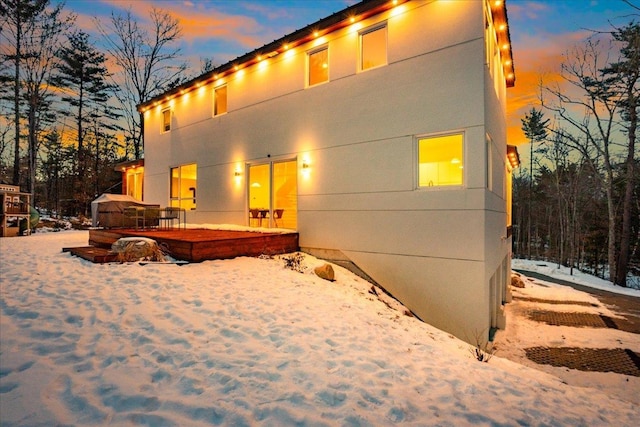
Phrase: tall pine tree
(82, 74)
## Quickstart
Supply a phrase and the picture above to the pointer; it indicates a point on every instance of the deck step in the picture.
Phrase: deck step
(93, 254)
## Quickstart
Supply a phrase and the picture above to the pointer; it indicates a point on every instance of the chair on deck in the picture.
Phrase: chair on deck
(133, 214)
(167, 218)
(254, 215)
(277, 214)
(151, 218)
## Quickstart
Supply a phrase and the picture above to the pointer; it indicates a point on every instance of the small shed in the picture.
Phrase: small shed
(108, 210)
(15, 208)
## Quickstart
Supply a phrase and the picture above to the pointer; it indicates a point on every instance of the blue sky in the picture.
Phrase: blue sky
(541, 31)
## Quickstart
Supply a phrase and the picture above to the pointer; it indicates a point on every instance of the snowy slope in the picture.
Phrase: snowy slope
(244, 342)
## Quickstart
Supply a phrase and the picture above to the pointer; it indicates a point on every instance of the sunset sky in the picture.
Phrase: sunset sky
(541, 31)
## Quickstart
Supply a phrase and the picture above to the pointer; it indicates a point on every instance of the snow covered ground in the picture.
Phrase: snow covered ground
(247, 342)
(521, 332)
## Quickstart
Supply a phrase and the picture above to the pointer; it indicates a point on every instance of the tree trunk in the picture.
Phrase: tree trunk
(16, 95)
(611, 209)
(625, 236)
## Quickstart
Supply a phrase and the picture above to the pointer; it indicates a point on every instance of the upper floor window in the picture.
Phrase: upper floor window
(441, 160)
(220, 100)
(318, 64)
(373, 47)
(166, 120)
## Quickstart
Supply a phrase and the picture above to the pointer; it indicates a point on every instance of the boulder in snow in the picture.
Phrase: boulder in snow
(137, 248)
(325, 272)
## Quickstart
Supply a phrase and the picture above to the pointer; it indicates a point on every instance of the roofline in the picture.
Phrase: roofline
(336, 21)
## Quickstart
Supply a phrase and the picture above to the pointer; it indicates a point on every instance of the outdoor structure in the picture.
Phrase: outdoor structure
(15, 211)
(109, 211)
(378, 133)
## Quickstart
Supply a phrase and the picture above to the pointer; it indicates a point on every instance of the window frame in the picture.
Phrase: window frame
(440, 187)
(310, 53)
(163, 128)
(215, 100)
(361, 36)
(177, 201)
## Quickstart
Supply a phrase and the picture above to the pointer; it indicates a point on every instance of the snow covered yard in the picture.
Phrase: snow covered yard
(244, 342)
(521, 332)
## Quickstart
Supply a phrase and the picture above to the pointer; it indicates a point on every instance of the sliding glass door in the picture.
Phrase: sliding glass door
(273, 195)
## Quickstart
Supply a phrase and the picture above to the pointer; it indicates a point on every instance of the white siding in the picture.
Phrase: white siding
(435, 250)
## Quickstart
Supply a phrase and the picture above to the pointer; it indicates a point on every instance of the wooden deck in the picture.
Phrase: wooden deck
(194, 245)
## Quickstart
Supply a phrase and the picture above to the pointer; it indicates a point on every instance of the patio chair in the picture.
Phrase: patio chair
(277, 214)
(135, 215)
(255, 215)
(167, 218)
(151, 217)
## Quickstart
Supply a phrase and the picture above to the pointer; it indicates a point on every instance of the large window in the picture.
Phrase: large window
(318, 66)
(183, 186)
(220, 100)
(441, 160)
(166, 120)
(373, 48)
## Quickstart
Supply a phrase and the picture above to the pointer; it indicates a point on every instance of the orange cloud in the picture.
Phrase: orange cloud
(537, 61)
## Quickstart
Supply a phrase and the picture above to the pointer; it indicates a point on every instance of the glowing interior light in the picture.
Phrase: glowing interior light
(316, 34)
(502, 27)
(353, 19)
(505, 46)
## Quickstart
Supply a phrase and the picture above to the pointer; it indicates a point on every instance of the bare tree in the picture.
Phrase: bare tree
(592, 112)
(18, 21)
(147, 61)
(36, 31)
(624, 84)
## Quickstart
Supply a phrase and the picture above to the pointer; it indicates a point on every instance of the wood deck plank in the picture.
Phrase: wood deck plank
(196, 245)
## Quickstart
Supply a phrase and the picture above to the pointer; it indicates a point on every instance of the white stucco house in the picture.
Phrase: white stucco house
(378, 133)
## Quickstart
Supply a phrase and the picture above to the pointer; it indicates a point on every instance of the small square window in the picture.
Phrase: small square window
(373, 48)
(441, 160)
(318, 66)
(220, 100)
(166, 120)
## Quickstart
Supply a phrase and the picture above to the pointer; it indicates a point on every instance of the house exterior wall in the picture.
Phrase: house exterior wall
(436, 250)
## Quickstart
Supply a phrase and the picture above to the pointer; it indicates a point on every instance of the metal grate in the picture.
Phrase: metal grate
(551, 301)
(621, 361)
(579, 320)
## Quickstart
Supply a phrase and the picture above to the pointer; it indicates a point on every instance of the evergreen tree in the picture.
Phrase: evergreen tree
(82, 73)
(535, 129)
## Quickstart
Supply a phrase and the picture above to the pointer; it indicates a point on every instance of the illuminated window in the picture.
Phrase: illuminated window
(441, 160)
(318, 66)
(183, 186)
(373, 48)
(166, 120)
(134, 178)
(220, 100)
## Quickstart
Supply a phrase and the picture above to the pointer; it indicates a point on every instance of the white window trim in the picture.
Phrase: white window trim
(215, 89)
(368, 30)
(416, 162)
(308, 73)
(162, 129)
